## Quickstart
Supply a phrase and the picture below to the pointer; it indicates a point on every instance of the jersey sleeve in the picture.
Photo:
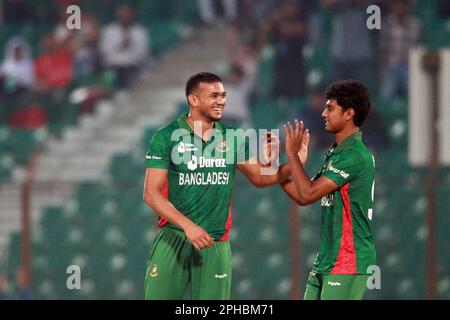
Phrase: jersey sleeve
(158, 155)
(346, 168)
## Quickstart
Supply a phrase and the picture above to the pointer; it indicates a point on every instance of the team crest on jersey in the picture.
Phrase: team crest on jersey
(222, 147)
(153, 270)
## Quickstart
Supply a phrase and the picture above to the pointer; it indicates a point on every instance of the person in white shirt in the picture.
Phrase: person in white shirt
(16, 70)
(124, 46)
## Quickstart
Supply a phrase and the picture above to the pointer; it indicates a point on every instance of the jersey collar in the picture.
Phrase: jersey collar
(184, 125)
(348, 142)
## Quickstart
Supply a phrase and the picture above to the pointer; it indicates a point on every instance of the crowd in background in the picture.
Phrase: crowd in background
(79, 66)
(114, 52)
(292, 27)
(107, 55)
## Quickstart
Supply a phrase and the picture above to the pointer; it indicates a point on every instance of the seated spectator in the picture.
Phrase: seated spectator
(124, 46)
(85, 46)
(54, 67)
(16, 70)
(401, 32)
(83, 43)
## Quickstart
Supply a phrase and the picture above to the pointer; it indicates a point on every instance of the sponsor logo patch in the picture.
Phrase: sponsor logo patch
(334, 284)
(152, 157)
(186, 147)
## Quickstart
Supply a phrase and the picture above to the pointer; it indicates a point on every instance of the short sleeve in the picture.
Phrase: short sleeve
(344, 168)
(158, 155)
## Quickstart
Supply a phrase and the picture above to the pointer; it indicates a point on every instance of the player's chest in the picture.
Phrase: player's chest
(202, 157)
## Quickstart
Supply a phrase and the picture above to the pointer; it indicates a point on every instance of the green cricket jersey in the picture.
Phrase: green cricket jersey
(346, 243)
(200, 174)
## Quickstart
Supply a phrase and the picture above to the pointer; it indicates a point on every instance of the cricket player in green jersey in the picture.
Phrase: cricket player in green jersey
(345, 185)
(193, 197)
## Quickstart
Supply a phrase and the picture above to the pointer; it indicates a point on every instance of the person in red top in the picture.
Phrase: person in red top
(54, 68)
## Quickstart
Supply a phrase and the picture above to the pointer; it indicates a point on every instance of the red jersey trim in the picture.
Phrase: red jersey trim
(346, 258)
(165, 193)
(228, 225)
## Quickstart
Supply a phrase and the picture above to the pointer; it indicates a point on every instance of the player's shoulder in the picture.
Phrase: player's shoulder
(167, 130)
(357, 153)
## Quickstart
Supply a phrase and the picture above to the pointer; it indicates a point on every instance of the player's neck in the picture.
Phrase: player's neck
(345, 133)
(200, 125)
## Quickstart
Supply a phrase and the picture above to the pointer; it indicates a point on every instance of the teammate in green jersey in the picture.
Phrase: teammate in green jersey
(345, 185)
(191, 165)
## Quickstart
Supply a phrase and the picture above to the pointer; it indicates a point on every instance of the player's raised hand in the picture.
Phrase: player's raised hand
(294, 137)
(199, 238)
(303, 153)
(271, 148)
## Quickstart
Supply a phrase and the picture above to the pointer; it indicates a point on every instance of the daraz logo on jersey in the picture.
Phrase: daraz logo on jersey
(202, 162)
(204, 178)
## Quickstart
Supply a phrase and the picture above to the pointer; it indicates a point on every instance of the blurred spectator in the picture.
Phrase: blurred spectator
(401, 32)
(352, 45)
(286, 31)
(16, 70)
(83, 43)
(246, 58)
(212, 10)
(54, 67)
(315, 22)
(124, 46)
(238, 92)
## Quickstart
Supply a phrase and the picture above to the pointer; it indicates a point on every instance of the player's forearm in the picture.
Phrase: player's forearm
(289, 187)
(301, 180)
(162, 207)
(281, 175)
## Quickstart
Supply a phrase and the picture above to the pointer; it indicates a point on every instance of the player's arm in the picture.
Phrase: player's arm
(255, 173)
(265, 175)
(306, 191)
(261, 175)
(154, 182)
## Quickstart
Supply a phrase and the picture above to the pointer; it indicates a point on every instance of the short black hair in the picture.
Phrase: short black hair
(351, 94)
(197, 78)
